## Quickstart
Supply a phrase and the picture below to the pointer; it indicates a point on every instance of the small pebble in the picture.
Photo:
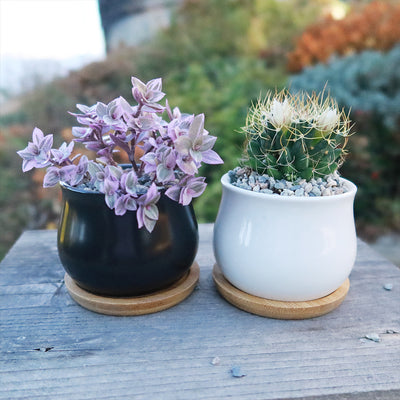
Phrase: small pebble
(308, 187)
(141, 189)
(237, 372)
(256, 188)
(388, 286)
(327, 192)
(373, 337)
(262, 179)
(338, 190)
(268, 191)
(245, 186)
(279, 185)
(215, 361)
(331, 182)
(315, 190)
(232, 175)
(299, 192)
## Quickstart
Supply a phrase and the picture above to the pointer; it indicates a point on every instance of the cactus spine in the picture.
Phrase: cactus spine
(295, 136)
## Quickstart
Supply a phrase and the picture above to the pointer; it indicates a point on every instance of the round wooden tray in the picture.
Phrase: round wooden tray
(139, 305)
(278, 309)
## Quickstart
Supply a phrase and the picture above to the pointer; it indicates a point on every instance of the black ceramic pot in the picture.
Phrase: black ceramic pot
(108, 255)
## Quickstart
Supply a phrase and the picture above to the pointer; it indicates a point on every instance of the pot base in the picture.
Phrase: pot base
(139, 305)
(278, 309)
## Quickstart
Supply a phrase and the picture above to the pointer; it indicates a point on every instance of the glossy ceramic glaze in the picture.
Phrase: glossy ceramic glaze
(108, 255)
(285, 248)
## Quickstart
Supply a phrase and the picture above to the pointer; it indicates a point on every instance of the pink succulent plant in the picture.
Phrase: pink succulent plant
(173, 150)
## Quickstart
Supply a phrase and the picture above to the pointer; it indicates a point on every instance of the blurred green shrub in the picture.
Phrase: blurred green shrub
(216, 57)
(369, 84)
(275, 25)
(232, 28)
(13, 193)
(222, 88)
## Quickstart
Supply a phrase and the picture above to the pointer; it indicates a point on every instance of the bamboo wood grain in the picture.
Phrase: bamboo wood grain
(140, 305)
(278, 309)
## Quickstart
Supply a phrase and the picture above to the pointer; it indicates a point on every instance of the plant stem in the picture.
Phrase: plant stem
(169, 112)
(138, 110)
(131, 155)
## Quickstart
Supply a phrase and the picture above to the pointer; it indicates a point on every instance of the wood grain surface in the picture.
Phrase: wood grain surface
(51, 348)
(278, 309)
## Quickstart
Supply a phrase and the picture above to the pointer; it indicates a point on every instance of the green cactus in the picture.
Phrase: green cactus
(295, 136)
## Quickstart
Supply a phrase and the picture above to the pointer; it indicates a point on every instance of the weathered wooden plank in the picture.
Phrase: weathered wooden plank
(168, 355)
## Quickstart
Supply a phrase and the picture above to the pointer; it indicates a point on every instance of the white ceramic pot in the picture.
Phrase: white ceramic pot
(285, 248)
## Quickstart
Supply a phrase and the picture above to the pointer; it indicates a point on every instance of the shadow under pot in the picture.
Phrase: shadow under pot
(109, 255)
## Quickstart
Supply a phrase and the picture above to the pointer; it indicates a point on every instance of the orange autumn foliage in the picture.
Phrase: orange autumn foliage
(376, 26)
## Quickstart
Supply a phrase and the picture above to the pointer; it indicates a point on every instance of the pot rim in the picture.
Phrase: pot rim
(225, 181)
(66, 186)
